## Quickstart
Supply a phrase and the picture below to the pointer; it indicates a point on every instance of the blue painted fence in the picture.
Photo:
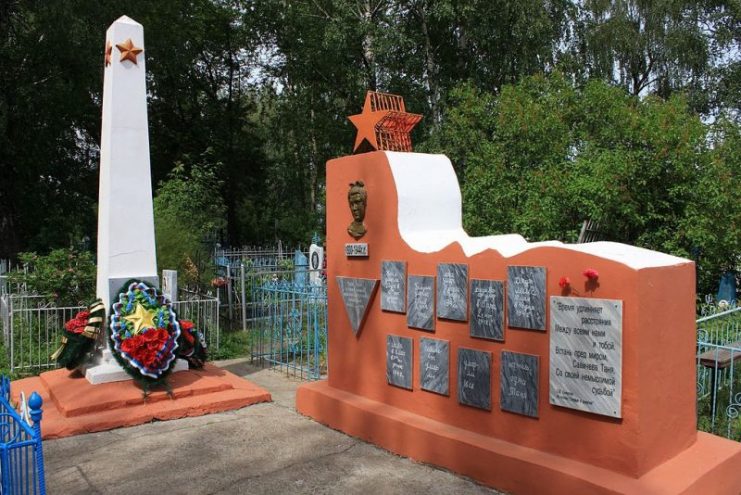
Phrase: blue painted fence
(21, 452)
(288, 324)
(718, 361)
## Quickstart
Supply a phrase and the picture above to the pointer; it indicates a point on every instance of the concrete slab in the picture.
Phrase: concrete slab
(262, 449)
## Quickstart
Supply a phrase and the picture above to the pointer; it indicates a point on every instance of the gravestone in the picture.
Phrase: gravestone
(421, 302)
(526, 297)
(399, 361)
(393, 286)
(316, 260)
(452, 291)
(519, 383)
(356, 294)
(300, 266)
(587, 354)
(487, 309)
(434, 365)
(170, 284)
(474, 378)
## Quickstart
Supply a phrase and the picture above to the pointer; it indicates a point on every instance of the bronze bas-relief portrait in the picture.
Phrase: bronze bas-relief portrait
(357, 197)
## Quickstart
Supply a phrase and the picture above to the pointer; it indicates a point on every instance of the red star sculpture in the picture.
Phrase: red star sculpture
(129, 51)
(108, 52)
(383, 124)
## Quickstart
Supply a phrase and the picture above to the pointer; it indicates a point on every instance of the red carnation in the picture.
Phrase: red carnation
(564, 282)
(186, 325)
(78, 323)
(591, 273)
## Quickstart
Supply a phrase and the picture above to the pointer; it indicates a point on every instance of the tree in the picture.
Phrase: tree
(189, 215)
(549, 155)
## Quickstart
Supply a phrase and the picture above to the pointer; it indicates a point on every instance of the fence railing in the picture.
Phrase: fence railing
(203, 311)
(237, 268)
(288, 323)
(32, 327)
(21, 452)
(719, 373)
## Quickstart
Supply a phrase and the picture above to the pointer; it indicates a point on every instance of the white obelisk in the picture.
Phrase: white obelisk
(126, 247)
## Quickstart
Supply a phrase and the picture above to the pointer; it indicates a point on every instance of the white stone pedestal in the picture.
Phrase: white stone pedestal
(107, 369)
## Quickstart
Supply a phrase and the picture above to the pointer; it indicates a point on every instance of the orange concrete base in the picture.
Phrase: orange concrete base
(73, 406)
(711, 465)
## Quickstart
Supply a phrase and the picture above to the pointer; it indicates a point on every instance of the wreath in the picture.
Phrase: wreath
(192, 345)
(144, 333)
(80, 334)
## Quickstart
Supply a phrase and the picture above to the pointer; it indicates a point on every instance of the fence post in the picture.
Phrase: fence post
(244, 301)
(12, 335)
(229, 291)
(34, 403)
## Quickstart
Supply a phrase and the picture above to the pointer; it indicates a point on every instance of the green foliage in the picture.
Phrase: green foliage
(64, 276)
(547, 156)
(189, 215)
(267, 84)
(233, 344)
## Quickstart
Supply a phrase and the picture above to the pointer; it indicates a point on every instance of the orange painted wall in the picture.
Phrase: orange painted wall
(658, 375)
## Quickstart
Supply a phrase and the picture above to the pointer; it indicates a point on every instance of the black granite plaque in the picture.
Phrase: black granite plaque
(452, 291)
(474, 378)
(399, 361)
(393, 286)
(519, 383)
(526, 297)
(421, 302)
(356, 294)
(434, 359)
(487, 309)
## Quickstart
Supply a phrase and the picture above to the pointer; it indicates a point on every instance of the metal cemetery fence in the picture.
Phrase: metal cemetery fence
(203, 311)
(32, 327)
(21, 452)
(719, 373)
(288, 322)
(237, 267)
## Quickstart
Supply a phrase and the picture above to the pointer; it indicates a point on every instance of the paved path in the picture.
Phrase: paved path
(261, 449)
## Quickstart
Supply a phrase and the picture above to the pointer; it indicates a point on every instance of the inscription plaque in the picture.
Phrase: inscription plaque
(452, 291)
(434, 359)
(526, 297)
(399, 361)
(356, 250)
(356, 294)
(487, 309)
(393, 286)
(519, 383)
(586, 354)
(474, 378)
(421, 302)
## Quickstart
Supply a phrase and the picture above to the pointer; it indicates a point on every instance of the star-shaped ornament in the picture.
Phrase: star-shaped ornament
(129, 51)
(141, 319)
(384, 124)
(366, 122)
(108, 52)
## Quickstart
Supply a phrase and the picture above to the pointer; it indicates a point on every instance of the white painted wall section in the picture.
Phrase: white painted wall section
(430, 217)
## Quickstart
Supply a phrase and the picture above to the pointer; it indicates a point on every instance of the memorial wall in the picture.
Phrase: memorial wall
(494, 357)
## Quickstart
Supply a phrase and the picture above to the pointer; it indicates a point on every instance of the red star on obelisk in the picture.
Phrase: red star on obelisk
(128, 51)
(383, 124)
(108, 52)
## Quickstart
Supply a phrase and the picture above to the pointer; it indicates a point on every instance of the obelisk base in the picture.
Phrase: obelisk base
(107, 369)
